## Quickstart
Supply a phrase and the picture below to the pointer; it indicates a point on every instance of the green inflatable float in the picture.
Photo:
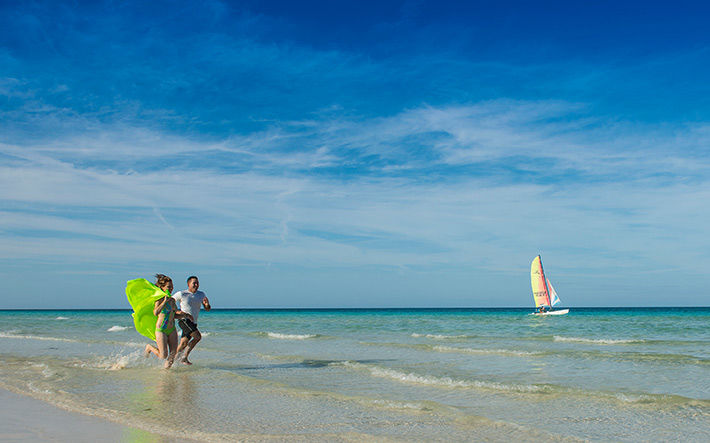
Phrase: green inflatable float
(142, 296)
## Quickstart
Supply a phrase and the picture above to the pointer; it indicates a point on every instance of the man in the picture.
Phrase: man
(190, 301)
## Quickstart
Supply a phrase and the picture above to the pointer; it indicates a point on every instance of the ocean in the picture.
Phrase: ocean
(596, 374)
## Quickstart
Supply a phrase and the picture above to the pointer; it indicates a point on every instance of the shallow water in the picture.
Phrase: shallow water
(420, 374)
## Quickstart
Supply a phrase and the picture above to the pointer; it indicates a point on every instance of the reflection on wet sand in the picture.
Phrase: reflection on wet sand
(167, 394)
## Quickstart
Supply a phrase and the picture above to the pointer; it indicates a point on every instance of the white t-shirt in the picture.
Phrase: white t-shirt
(190, 302)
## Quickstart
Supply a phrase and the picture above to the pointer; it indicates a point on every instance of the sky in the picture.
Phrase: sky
(321, 154)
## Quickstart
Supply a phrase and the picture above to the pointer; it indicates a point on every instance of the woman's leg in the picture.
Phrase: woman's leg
(150, 349)
(162, 341)
(172, 342)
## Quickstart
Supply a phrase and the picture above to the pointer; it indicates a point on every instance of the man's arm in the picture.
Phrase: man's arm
(180, 314)
(206, 303)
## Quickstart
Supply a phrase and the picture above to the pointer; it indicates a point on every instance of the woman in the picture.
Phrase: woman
(165, 334)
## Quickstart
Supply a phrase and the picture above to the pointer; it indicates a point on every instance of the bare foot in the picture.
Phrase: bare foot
(185, 361)
(146, 352)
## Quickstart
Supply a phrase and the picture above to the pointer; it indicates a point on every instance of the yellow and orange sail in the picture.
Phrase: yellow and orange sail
(541, 294)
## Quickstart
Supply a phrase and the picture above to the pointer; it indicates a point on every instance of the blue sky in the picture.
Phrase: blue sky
(369, 154)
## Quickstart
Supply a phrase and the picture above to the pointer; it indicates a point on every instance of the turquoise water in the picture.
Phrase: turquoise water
(420, 374)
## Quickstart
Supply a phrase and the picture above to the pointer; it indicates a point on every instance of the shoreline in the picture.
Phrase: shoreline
(25, 419)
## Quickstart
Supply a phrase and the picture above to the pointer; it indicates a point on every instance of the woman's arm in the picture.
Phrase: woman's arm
(159, 305)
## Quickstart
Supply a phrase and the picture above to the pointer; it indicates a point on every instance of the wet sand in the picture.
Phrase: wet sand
(25, 419)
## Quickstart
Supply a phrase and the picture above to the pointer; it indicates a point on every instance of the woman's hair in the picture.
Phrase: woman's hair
(161, 280)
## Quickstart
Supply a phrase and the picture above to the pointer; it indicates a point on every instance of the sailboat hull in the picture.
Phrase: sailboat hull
(558, 312)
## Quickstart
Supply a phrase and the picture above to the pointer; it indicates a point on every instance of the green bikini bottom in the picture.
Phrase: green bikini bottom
(166, 331)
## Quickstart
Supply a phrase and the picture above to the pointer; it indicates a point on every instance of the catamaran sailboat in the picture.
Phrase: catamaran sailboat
(544, 294)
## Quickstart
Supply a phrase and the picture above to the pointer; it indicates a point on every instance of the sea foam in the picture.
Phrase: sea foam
(46, 371)
(439, 336)
(116, 328)
(290, 336)
(485, 351)
(112, 362)
(597, 341)
(36, 337)
(442, 382)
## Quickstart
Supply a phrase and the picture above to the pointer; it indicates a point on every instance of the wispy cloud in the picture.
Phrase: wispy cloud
(432, 185)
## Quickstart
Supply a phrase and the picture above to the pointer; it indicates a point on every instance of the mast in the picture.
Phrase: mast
(544, 282)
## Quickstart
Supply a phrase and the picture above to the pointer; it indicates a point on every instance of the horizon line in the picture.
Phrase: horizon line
(361, 308)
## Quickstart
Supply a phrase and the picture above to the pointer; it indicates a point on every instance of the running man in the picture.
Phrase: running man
(190, 302)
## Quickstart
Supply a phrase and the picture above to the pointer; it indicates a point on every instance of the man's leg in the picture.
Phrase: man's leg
(185, 334)
(183, 343)
(193, 340)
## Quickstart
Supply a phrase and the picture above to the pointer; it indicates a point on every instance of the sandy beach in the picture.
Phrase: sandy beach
(25, 419)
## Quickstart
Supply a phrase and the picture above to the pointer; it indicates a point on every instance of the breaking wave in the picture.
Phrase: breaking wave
(439, 336)
(597, 341)
(281, 336)
(116, 328)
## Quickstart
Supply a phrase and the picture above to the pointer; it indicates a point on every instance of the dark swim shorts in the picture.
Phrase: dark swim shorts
(187, 326)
